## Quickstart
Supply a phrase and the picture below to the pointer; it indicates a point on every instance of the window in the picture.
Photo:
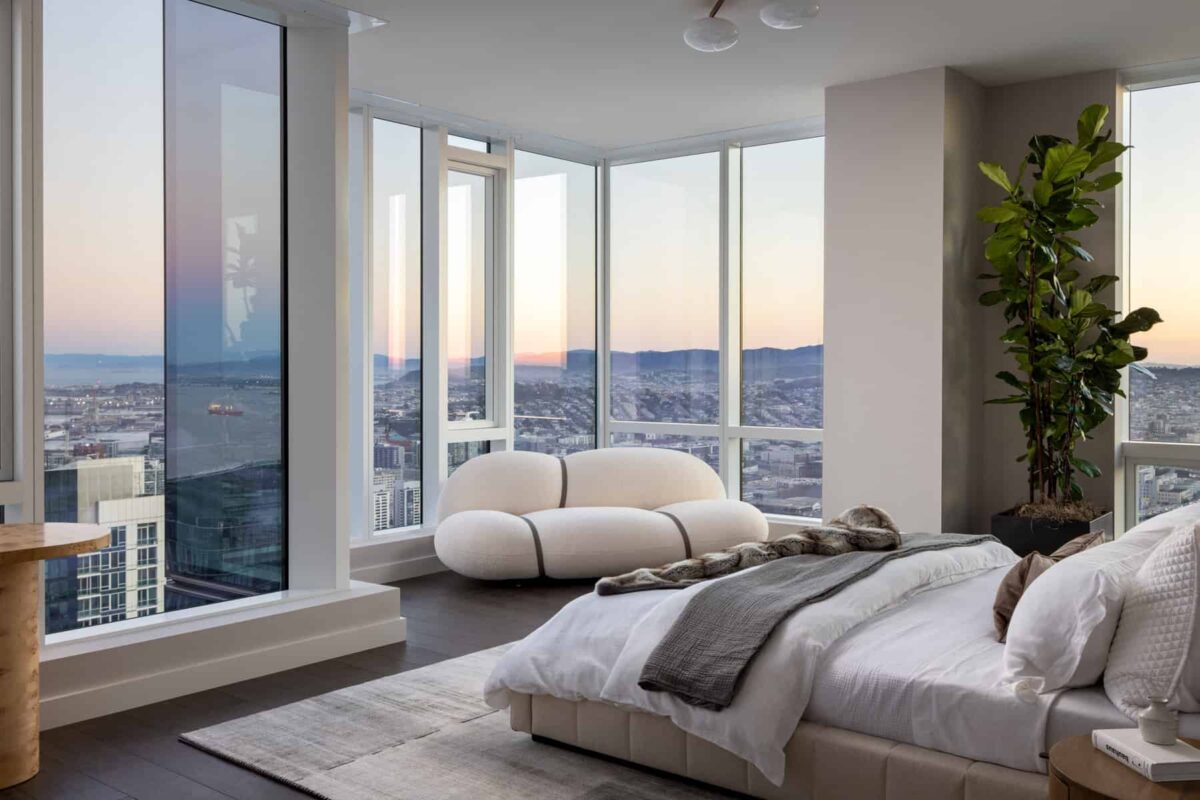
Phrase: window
(469, 254)
(467, 143)
(395, 248)
(460, 453)
(169, 251)
(720, 354)
(664, 259)
(554, 319)
(1162, 454)
(782, 310)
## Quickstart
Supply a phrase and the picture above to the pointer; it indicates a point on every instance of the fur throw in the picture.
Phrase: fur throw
(859, 528)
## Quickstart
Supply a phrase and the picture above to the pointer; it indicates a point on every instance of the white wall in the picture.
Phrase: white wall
(895, 228)
(1013, 115)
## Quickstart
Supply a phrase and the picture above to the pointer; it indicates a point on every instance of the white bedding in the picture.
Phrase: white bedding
(595, 647)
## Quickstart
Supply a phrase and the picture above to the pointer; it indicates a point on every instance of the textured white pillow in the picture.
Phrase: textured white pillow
(1156, 651)
(1063, 627)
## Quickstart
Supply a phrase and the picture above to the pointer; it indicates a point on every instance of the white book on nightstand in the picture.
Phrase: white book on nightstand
(1159, 763)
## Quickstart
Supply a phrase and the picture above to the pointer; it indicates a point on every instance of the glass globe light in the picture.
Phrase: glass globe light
(710, 34)
(787, 15)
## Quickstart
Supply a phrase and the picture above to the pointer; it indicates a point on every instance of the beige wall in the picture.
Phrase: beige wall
(1013, 115)
(898, 186)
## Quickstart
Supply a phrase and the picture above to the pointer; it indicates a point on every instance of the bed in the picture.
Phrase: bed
(898, 694)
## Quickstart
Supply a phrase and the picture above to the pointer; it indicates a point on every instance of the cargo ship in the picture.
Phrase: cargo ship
(222, 410)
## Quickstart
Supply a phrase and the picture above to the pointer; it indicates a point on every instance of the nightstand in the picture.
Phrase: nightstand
(1079, 771)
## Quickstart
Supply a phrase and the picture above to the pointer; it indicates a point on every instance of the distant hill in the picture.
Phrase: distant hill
(764, 363)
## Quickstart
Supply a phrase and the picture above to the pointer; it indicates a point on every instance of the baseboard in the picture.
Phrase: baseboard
(394, 560)
(82, 678)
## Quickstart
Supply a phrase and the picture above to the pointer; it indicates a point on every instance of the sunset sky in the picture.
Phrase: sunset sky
(103, 220)
(1164, 261)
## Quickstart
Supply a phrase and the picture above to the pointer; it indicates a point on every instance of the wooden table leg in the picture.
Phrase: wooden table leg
(19, 637)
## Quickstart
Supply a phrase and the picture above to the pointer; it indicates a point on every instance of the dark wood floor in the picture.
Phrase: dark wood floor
(136, 754)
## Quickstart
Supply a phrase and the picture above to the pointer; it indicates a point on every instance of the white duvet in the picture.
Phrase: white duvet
(595, 648)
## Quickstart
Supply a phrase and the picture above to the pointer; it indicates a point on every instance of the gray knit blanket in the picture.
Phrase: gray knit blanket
(859, 528)
(720, 631)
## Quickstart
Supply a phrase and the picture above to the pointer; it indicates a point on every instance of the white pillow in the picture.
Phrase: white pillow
(1156, 651)
(1063, 626)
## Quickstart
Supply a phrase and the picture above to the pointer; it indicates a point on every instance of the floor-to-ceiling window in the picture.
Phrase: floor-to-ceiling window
(716, 344)
(1162, 451)
(395, 334)
(554, 318)
(163, 271)
(782, 274)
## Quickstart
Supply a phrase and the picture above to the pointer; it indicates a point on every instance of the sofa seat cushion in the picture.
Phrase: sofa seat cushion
(591, 542)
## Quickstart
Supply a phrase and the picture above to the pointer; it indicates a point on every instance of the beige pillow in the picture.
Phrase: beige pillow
(1008, 594)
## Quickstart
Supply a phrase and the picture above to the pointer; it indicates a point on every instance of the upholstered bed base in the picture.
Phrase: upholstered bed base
(823, 763)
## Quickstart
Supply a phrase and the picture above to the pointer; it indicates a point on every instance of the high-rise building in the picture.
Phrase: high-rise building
(125, 579)
(382, 503)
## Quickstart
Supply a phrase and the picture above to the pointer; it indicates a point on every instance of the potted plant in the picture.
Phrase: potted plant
(1068, 346)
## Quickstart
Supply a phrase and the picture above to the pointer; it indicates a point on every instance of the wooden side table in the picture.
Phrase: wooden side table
(1078, 771)
(22, 549)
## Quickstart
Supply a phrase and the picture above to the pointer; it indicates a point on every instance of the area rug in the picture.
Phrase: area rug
(422, 735)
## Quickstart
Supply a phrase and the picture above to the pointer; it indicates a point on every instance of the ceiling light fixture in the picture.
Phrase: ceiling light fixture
(711, 34)
(788, 15)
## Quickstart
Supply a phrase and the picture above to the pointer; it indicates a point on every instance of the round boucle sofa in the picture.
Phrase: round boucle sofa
(601, 512)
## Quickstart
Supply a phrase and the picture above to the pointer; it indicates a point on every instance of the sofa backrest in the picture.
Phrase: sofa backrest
(519, 482)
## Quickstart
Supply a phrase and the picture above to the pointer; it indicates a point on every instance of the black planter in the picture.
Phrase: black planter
(1026, 535)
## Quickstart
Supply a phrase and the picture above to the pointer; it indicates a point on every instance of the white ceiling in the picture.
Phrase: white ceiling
(613, 73)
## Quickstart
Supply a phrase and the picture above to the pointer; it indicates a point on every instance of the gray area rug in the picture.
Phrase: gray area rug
(421, 735)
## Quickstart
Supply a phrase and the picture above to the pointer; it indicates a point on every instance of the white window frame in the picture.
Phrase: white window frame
(729, 431)
(1133, 454)
(437, 157)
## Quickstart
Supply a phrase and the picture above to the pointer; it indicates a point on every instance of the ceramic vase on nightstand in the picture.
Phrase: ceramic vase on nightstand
(1157, 723)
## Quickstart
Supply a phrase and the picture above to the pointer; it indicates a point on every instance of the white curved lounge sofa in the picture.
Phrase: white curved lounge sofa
(601, 512)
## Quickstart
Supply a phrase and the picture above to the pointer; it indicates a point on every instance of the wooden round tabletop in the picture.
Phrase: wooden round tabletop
(23, 542)
(1081, 766)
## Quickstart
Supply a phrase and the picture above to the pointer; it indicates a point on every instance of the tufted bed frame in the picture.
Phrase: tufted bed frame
(823, 763)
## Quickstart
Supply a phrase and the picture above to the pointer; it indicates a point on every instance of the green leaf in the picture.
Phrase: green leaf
(1086, 467)
(1108, 181)
(996, 214)
(1105, 152)
(1000, 246)
(1138, 321)
(996, 175)
(1074, 248)
(992, 298)
(1012, 380)
(1100, 282)
(1042, 191)
(1081, 216)
(1090, 122)
(1064, 162)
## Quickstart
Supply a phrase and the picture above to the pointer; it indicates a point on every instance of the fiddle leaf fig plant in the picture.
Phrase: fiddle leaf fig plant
(1068, 345)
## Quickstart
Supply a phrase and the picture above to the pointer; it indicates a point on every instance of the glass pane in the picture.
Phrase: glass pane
(102, 229)
(554, 327)
(396, 324)
(478, 145)
(706, 448)
(1164, 209)
(468, 255)
(1161, 489)
(459, 453)
(782, 276)
(225, 480)
(665, 265)
(782, 477)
